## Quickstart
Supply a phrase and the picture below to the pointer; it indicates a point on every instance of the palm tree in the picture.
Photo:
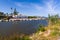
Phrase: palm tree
(11, 11)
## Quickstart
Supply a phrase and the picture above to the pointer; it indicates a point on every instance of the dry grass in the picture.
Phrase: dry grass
(15, 37)
(52, 32)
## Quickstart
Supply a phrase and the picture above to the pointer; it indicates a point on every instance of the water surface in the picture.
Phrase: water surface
(26, 27)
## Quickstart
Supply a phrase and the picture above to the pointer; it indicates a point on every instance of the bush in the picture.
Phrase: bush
(41, 28)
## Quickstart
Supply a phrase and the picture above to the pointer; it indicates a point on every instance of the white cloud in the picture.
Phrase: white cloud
(51, 7)
(37, 7)
(22, 5)
(30, 5)
(18, 4)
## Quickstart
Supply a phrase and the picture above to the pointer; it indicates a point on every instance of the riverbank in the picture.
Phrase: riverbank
(52, 32)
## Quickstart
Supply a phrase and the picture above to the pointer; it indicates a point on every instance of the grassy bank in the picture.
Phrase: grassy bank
(51, 32)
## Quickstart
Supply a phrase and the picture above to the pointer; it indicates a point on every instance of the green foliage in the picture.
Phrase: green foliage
(15, 37)
(32, 17)
(1, 14)
(55, 31)
(23, 38)
(53, 19)
(5, 16)
(15, 12)
(41, 28)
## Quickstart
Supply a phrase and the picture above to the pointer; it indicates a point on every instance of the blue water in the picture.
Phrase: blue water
(26, 27)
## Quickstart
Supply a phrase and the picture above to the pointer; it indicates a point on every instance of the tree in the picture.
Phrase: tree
(11, 8)
(32, 17)
(15, 12)
(1, 13)
(11, 11)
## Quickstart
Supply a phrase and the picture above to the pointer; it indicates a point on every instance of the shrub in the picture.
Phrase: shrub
(41, 28)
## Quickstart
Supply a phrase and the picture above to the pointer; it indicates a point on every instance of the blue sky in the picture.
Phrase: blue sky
(31, 7)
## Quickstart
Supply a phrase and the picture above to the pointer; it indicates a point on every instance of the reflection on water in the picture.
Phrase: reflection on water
(20, 26)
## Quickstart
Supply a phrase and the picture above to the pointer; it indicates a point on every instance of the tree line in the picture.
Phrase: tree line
(8, 15)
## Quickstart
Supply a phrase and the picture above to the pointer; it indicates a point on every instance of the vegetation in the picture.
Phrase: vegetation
(32, 17)
(1, 14)
(15, 12)
(5, 16)
(51, 32)
(41, 28)
(15, 37)
(54, 19)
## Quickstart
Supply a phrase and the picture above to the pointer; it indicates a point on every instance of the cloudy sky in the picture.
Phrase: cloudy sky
(31, 7)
